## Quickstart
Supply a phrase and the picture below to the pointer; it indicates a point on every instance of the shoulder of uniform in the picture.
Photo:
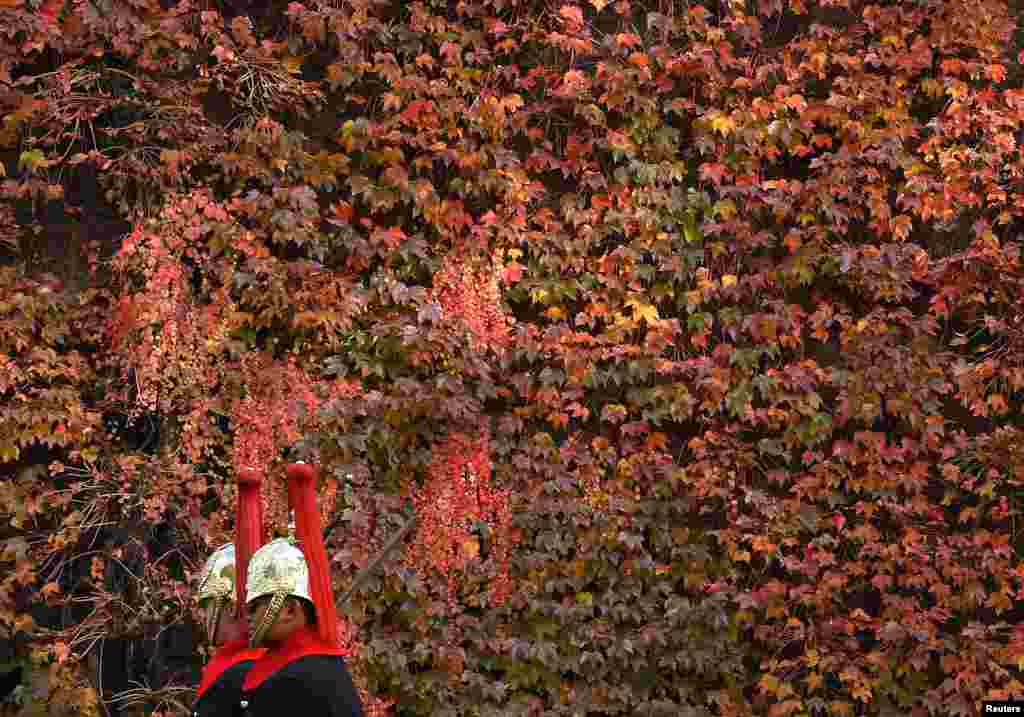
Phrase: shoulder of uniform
(317, 660)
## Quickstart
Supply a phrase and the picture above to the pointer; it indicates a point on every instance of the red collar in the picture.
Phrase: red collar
(227, 655)
(301, 643)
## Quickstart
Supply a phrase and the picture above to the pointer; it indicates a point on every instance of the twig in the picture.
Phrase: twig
(366, 572)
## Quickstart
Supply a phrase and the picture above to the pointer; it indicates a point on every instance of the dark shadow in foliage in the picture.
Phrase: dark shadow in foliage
(173, 656)
(156, 655)
(71, 227)
(138, 431)
(9, 681)
(164, 656)
(217, 107)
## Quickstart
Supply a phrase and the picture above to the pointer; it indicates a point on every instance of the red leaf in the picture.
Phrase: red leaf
(512, 272)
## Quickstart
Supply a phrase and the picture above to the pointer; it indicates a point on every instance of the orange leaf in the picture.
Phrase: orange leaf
(627, 39)
(471, 548)
(572, 14)
(61, 651)
(656, 441)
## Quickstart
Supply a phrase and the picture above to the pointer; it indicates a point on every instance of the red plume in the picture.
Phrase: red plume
(302, 496)
(248, 531)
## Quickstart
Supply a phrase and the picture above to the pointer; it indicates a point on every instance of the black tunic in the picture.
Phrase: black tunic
(222, 697)
(310, 686)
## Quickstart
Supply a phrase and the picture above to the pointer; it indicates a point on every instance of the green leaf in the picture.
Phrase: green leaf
(32, 160)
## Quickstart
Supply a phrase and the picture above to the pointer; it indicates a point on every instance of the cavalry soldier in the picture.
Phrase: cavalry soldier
(221, 598)
(292, 613)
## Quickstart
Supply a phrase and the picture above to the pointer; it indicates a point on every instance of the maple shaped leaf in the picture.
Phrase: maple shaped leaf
(642, 310)
(723, 124)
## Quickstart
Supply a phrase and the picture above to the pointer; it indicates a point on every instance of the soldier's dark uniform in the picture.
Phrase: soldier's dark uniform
(302, 676)
(221, 687)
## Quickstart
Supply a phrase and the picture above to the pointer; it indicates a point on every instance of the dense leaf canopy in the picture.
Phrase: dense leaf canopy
(690, 334)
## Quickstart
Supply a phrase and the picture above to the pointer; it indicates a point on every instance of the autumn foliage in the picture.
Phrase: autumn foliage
(690, 334)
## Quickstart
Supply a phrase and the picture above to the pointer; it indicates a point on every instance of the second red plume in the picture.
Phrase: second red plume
(302, 496)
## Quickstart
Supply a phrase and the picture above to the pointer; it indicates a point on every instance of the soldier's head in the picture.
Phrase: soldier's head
(278, 593)
(215, 597)
(295, 613)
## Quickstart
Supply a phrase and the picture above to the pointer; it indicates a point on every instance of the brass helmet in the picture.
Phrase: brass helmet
(279, 567)
(218, 576)
(279, 570)
(217, 587)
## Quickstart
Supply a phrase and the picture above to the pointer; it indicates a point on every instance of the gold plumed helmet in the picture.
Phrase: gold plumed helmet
(218, 576)
(217, 586)
(277, 569)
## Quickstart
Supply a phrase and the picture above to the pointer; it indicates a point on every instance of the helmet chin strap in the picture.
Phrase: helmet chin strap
(213, 618)
(273, 611)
